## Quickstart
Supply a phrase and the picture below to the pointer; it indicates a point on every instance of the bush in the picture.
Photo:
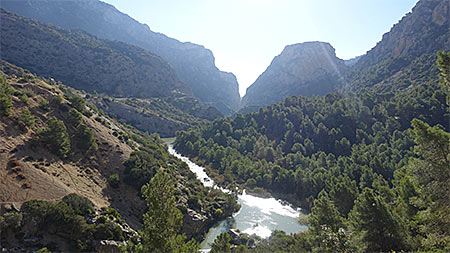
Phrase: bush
(75, 117)
(78, 102)
(85, 137)
(26, 118)
(5, 97)
(24, 98)
(81, 205)
(44, 105)
(10, 220)
(57, 100)
(55, 136)
(114, 180)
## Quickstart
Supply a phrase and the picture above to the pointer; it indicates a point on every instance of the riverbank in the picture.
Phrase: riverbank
(260, 213)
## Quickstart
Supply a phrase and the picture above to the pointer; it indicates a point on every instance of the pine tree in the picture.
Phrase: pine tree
(163, 220)
(55, 136)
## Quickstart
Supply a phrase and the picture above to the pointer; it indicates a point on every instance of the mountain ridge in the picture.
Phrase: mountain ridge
(308, 68)
(194, 63)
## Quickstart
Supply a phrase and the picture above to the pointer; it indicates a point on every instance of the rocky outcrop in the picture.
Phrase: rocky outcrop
(193, 63)
(307, 69)
(408, 50)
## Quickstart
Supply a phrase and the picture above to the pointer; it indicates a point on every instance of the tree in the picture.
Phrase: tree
(221, 244)
(85, 137)
(5, 97)
(431, 175)
(375, 226)
(163, 220)
(326, 226)
(75, 117)
(55, 136)
(443, 63)
(26, 118)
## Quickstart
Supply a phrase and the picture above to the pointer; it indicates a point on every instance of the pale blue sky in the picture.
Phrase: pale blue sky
(245, 35)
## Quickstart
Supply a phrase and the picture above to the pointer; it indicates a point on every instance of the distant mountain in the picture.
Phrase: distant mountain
(193, 63)
(86, 62)
(306, 69)
(109, 68)
(407, 53)
(352, 61)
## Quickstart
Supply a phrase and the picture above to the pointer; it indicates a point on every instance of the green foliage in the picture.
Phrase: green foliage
(443, 64)
(27, 118)
(44, 250)
(44, 104)
(163, 220)
(75, 118)
(375, 226)
(10, 220)
(57, 100)
(85, 138)
(5, 97)
(114, 180)
(64, 220)
(55, 137)
(354, 154)
(81, 205)
(221, 244)
(77, 102)
(430, 178)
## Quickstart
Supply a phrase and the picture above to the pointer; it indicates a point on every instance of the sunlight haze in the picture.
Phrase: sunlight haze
(245, 35)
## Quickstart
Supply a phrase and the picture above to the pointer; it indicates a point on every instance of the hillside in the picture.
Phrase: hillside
(54, 144)
(105, 68)
(306, 69)
(193, 63)
(85, 62)
(406, 54)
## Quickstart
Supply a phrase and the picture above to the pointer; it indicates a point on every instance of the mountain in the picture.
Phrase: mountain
(86, 62)
(407, 53)
(193, 63)
(110, 68)
(73, 174)
(307, 69)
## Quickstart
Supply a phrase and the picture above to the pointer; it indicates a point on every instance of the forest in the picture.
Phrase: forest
(372, 166)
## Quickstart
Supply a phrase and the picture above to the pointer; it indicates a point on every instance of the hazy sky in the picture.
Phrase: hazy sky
(245, 35)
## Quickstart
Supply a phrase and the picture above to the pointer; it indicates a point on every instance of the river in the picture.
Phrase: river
(257, 215)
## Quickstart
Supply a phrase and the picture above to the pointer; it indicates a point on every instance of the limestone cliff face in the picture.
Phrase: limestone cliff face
(307, 69)
(407, 49)
(193, 63)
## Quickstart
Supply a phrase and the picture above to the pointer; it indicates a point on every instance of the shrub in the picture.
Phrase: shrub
(5, 97)
(81, 205)
(26, 118)
(24, 98)
(114, 180)
(55, 136)
(57, 100)
(75, 117)
(11, 220)
(78, 102)
(85, 137)
(44, 105)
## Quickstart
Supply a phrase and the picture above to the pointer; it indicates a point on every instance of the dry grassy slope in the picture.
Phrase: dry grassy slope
(28, 172)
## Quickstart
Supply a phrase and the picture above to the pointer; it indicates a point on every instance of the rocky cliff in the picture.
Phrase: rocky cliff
(193, 63)
(307, 69)
(407, 51)
(86, 62)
